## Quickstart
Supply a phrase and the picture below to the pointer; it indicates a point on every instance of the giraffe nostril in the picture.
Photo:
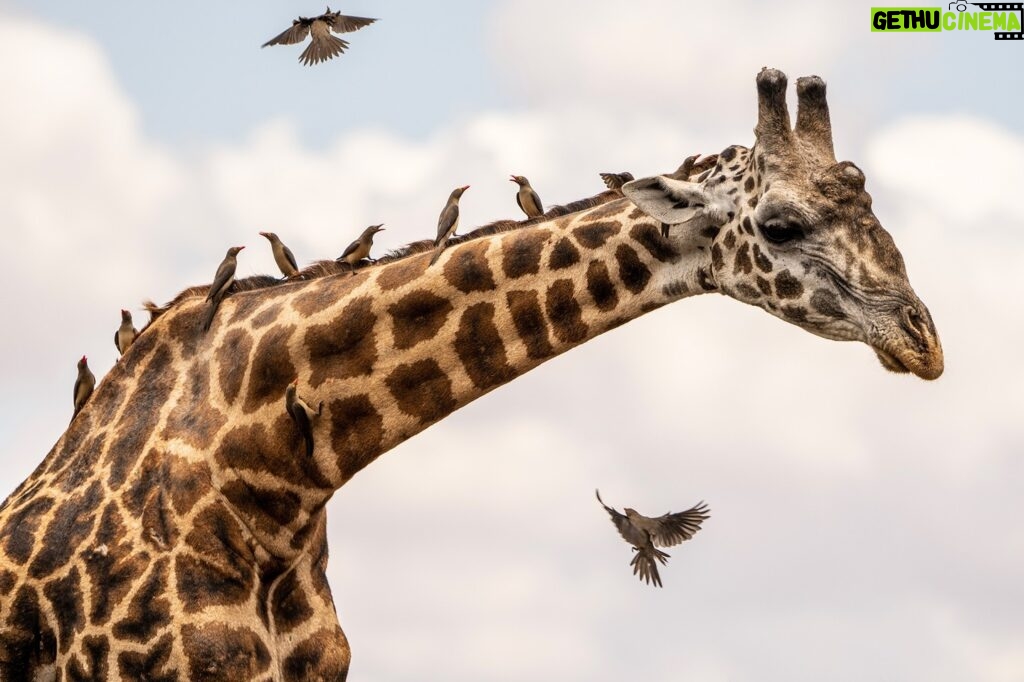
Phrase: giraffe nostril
(914, 323)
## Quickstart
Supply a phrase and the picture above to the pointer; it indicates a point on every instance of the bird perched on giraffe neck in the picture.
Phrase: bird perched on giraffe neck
(222, 281)
(322, 45)
(84, 384)
(644, 533)
(360, 248)
(126, 333)
(302, 414)
(527, 197)
(616, 180)
(283, 256)
(447, 222)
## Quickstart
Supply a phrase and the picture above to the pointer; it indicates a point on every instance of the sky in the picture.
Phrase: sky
(864, 525)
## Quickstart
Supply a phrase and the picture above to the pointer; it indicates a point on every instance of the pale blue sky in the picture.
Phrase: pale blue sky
(867, 530)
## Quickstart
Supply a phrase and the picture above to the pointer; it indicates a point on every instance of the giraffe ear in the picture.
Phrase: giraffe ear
(673, 201)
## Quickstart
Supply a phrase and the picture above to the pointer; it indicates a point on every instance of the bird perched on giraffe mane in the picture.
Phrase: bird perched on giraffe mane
(616, 180)
(222, 281)
(527, 197)
(302, 414)
(84, 384)
(687, 169)
(360, 248)
(646, 534)
(126, 333)
(322, 45)
(283, 256)
(447, 222)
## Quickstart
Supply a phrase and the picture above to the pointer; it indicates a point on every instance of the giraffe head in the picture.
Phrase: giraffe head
(790, 230)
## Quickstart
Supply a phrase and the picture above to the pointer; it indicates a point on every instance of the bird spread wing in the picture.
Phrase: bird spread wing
(290, 257)
(622, 523)
(446, 222)
(671, 529)
(323, 45)
(345, 24)
(296, 34)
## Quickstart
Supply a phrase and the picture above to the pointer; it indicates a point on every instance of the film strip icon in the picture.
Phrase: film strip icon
(1005, 7)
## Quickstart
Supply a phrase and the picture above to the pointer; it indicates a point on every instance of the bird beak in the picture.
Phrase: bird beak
(85, 359)
(465, 188)
(123, 311)
(265, 234)
(514, 179)
(240, 247)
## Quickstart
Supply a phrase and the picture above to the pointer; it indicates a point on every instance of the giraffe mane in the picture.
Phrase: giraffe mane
(326, 268)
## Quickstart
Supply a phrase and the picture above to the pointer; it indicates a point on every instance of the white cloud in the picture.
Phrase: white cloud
(848, 505)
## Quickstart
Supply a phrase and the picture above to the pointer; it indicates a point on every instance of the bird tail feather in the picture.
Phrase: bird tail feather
(209, 315)
(322, 48)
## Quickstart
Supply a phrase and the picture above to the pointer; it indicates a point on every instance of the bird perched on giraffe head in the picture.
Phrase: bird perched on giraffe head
(322, 45)
(646, 534)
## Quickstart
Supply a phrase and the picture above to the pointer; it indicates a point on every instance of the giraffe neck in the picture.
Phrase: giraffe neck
(188, 416)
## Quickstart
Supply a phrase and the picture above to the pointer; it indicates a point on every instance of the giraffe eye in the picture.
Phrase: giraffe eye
(779, 231)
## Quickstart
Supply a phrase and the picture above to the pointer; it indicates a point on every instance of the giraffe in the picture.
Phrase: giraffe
(177, 530)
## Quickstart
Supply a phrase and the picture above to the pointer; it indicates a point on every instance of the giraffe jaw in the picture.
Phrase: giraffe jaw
(907, 361)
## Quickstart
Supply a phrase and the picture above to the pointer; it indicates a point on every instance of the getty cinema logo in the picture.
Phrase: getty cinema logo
(999, 17)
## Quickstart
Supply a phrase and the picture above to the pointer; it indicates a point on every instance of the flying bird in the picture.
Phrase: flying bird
(84, 384)
(360, 248)
(616, 180)
(302, 414)
(447, 222)
(527, 197)
(283, 256)
(126, 333)
(222, 281)
(323, 45)
(647, 534)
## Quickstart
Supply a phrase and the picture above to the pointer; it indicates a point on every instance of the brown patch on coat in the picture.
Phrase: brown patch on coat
(418, 316)
(345, 346)
(481, 349)
(564, 312)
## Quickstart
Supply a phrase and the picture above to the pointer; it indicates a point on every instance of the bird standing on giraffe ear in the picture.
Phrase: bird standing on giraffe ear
(302, 414)
(527, 197)
(126, 333)
(84, 385)
(222, 281)
(283, 256)
(360, 248)
(447, 222)
(644, 532)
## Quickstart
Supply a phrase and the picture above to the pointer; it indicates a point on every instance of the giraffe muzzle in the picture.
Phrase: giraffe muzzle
(906, 342)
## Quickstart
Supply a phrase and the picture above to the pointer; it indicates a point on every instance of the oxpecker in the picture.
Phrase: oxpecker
(283, 256)
(323, 45)
(527, 197)
(447, 222)
(616, 180)
(302, 414)
(222, 281)
(360, 248)
(664, 531)
(126, 333)
(84, 384)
